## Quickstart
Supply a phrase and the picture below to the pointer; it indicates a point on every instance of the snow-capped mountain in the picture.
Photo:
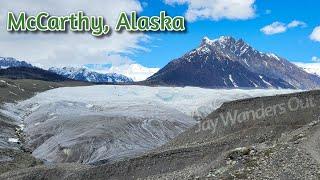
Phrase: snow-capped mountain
(84, 74)
(312, 68)
(230, 63)
(6, 62)
(136, 72)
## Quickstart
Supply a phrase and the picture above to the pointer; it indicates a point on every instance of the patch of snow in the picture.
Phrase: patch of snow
(271, 55)
(234, 83)
(224, 81)
(13, 140)
(243, 49)
(207, 41)
(265, 62)
(205, 50)
(246, 62)
(223, 39)
(255, 85)
(261, 77)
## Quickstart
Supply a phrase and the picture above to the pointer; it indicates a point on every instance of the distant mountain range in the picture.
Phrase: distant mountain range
(230, 63)
(6, 62)
(84, 74)
(30, 73)
(136, 72)
(13, 68)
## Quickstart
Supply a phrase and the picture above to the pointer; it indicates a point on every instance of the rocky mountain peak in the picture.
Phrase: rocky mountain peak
(206, 41)
(226, 40)
(228, 46)
(223, 40)
(230, 62)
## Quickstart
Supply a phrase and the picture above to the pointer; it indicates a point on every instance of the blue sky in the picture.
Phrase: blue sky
(294, 44)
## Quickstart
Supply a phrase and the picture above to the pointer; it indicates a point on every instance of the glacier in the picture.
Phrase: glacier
(106, 123)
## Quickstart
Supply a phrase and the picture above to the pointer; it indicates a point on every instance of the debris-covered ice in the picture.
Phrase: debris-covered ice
(106, 123)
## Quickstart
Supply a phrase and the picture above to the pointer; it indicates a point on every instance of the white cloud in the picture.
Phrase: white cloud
(135, 71)
(315, 35)
(315, 59)
(72, 48)
(279, 27)
(296, 23)
(217, 9)
(274, 28)
(172, 2)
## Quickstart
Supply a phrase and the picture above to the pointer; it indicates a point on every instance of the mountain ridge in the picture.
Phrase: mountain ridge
(30, 73)
(13, 68)
(84, 74)
(6, 62)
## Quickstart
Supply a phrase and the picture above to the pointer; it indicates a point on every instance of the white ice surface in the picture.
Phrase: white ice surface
(191, 101)
(94, 123)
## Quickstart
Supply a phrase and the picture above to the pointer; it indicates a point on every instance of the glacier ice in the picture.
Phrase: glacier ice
(108, 122)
